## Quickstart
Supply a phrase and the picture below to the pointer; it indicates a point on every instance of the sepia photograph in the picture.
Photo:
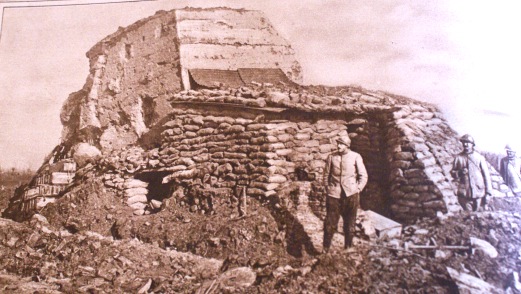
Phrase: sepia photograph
(334, 146)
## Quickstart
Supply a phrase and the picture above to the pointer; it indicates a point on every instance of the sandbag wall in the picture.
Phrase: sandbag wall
(265, 152)
(420, 149)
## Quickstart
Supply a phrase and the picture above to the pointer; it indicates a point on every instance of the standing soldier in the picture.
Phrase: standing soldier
(344, 178)
(509, 169)
(470, 171)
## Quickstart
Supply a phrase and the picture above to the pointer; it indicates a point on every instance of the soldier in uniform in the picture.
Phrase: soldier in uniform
(345, 177)
(510, 170)
(471, 174)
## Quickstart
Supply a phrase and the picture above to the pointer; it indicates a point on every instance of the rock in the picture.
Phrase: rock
(146, 287)
(139, 212)
(40, 218)
(277, 98)
(84, 153)
(484, 246)
(440, 254)
(384, 227)
(236, 279)
(470, 284)
(138, 205)
(421, 232)
(156, 204)
(367, 225)
(137, 199)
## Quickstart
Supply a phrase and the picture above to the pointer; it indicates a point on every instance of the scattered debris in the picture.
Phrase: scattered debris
(470, 284)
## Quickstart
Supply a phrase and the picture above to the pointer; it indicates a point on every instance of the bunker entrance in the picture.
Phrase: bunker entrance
(156, 189)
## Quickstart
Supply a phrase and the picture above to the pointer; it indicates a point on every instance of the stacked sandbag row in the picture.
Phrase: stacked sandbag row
(133, 191)
(228, 148)
(136, 195)
(298, 151)
(420, 151)
(419, 181)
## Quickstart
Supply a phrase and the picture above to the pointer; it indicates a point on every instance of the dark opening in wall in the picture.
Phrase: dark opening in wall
(148, 105)
(128, 51)
(156, 189)
(370, 143)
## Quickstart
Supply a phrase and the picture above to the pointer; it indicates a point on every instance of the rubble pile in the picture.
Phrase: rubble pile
(87, 261)
(451, 264)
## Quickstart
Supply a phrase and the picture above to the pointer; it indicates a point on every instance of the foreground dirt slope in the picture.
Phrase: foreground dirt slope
(65, 258)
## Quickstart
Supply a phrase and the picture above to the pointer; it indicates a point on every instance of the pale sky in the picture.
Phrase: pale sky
(463, 56)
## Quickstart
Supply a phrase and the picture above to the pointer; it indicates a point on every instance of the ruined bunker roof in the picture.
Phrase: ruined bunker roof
(122, 32)
(308, 99)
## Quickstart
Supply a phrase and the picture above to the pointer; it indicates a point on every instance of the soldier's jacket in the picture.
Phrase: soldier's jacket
(510, 169)
(344, 171)
(470, 171)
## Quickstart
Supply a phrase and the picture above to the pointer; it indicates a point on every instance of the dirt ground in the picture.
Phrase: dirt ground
(90, 242)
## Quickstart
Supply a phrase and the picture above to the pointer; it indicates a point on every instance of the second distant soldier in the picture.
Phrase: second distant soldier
(470, 171)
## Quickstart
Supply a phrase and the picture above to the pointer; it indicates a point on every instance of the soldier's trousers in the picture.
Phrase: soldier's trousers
(346, 207)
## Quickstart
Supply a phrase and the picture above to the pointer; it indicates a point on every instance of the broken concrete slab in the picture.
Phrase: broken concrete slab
(470, 284)
(384, 227)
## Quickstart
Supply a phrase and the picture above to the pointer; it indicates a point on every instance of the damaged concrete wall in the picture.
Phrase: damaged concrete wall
(133, 71)
(229, 39)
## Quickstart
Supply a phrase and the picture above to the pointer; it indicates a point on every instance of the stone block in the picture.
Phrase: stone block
(384, 227)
